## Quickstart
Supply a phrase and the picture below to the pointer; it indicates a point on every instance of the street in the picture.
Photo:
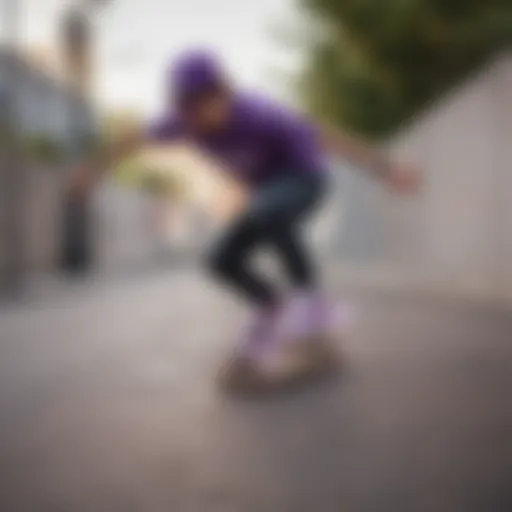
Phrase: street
(107, 404)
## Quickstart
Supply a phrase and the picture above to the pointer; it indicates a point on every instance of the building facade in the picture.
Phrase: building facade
(40, 104)
(44, 104)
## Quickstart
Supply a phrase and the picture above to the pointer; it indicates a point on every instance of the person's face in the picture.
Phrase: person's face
(208, 113)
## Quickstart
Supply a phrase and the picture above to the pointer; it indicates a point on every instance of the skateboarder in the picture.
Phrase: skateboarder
(279, 155)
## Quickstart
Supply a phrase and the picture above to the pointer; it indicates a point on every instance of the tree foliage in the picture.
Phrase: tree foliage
(134, 173)
(379, 61)
(43, 149)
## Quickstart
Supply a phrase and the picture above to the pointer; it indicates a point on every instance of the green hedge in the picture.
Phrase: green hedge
(380, 62)
(43, 149)
(133, 173)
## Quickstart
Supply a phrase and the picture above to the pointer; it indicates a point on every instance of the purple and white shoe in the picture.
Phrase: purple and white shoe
(249, 369)
(262, 334)
(308, 316)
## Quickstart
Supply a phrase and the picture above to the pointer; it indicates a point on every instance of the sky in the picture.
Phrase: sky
(136, 38)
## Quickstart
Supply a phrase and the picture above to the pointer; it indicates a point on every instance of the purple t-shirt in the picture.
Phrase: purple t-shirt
(263, 140)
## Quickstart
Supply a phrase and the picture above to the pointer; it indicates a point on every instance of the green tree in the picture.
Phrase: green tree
(43, 149)
(134, 173)
(379, 62)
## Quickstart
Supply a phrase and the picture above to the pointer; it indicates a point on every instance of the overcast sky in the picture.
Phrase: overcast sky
(137, 37)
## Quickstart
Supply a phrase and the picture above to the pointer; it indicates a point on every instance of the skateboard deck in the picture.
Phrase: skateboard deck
(298, 364)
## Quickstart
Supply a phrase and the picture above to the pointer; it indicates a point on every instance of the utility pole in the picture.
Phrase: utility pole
(11, 159)
(76, 40)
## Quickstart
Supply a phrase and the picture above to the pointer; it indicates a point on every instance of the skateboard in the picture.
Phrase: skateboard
(296, 365)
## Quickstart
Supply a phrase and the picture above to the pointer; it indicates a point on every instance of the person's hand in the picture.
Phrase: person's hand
(403, 180)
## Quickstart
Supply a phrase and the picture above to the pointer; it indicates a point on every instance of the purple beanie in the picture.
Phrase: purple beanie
(193, 73)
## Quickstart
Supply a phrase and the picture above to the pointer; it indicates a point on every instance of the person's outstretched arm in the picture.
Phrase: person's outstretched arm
(365, 156)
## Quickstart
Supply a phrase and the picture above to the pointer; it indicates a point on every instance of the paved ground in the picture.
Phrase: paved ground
(106, 405)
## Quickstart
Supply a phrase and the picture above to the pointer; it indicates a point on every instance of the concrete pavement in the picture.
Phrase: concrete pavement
(107, 404)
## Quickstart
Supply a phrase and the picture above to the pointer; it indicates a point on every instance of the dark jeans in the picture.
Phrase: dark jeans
(272, 219)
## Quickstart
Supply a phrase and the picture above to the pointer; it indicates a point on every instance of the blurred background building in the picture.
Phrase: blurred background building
(50, 122)
(43, 99)
(47, 137)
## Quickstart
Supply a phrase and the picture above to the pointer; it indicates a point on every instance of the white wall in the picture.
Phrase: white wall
(126, 235)
(503, 211)
(459, 232)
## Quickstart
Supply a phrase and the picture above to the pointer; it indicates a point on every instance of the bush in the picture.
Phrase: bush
(43, 149)
(90, 144)
(378, 63)
(130, 173)
(133, 173)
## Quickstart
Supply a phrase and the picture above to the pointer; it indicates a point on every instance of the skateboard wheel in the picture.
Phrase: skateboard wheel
(240, 375)
(303, 362)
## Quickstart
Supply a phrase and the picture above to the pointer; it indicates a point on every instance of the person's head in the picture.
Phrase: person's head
(200, 91)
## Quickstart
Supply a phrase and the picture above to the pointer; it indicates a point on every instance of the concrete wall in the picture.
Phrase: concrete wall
(43, 217)
(125, 234)
(40, 231)
(134, 230)
(503, 211)
(459, 231)
(124, 230)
